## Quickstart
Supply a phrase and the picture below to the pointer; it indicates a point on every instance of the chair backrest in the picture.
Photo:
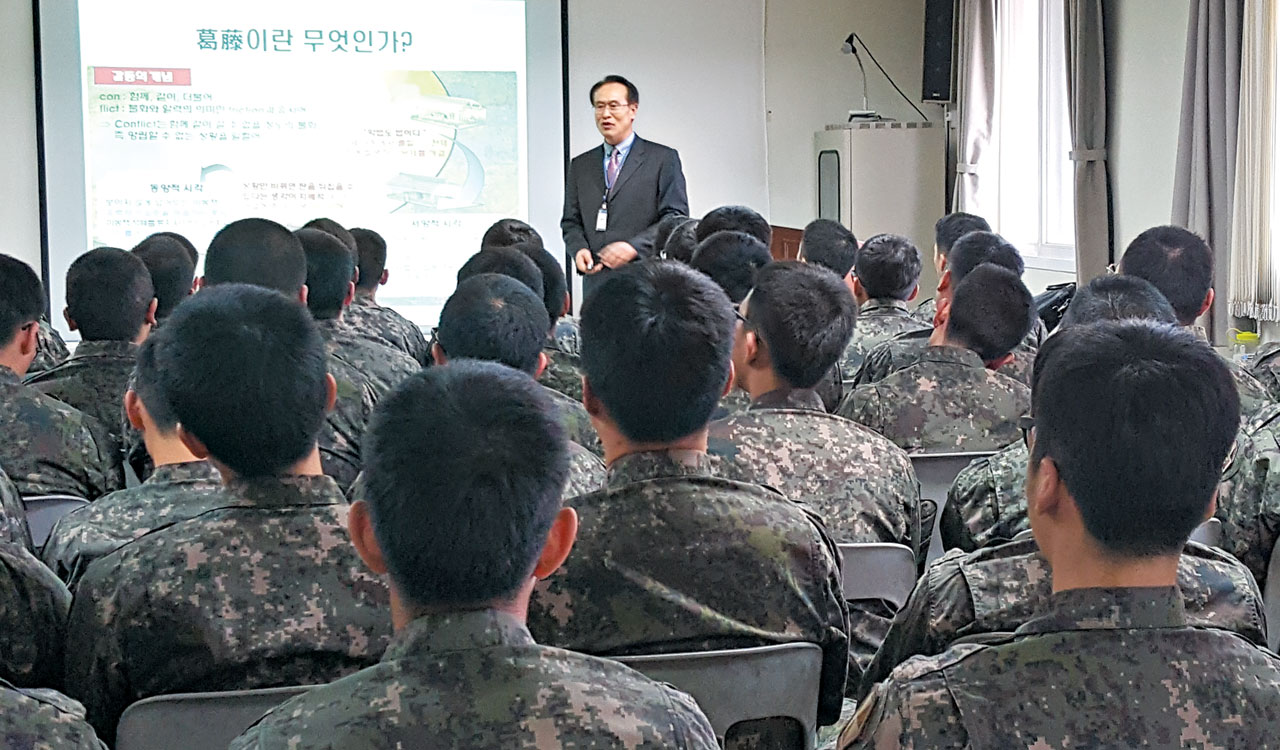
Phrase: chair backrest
(1208, 533)
(1271, 599)
(878, 571)
(936, 473)
(739, 685)
(196, 721)
(43, 511)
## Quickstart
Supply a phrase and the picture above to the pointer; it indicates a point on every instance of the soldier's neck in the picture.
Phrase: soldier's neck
(759, 382)
(14, 360)
(166, 449)
(616, 445)
(309, 466)
(369, 294)
(403, 612)
(1087, 566)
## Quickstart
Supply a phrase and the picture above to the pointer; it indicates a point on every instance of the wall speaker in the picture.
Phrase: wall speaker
(939, 50)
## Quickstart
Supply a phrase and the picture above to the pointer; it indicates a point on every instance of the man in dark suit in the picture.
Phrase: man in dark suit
(617, 192)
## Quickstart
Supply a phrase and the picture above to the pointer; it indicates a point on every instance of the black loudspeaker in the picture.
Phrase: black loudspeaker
(939, 50)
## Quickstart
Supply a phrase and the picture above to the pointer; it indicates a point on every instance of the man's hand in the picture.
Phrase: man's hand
(585, 263)
(618, 254)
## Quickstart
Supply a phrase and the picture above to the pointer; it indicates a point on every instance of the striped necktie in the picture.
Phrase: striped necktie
(611, 173)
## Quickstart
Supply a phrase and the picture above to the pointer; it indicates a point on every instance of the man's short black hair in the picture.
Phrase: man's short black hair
(992, 311)
(507, 261)
(633, 93)
(244, 370)
(337, 230)
(888, 267)
(108, 294)
(656, 339)
(735, 219)
(1118, 297)
(259, 252)
(21, 297)
(976, 248)
(464, 471)
(666, 225)
(829, 244)
(554, 284)
(1178, 262)
(805, 316)
(371, 255)
(172, 270)
(148, 384)
(732, 260)
(330, 268)
(952, 227)
(182, 240)
(683, 242)
(510, 232)
(494, 318)
(1138, 418)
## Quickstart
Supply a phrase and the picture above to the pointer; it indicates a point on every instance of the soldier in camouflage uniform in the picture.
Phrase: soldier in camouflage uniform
(13, 515)
(33, 619)
(366, 315)
(705, 562)
(463, 557)
(946, 232)
(1249, 500)
(948, 400)
(886, 276)
(43, 719)
(51, 350)
(265, 590)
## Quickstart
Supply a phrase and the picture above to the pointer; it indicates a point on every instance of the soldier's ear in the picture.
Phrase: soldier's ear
(564, 530)
(330, 393)
(437, 353)
(71, 323)
(914, 291)
(542, 365)
(728, 386)
(351, 293)
(592, 403)
(385, 275)
(133, 409)
(944, 281)
(151, 312)
(193, 443)
(360, 528)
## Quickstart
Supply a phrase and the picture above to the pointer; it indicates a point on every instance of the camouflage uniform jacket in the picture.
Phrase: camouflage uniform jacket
(51, 350)
(925, 311)
(564, 371)
(1249, 499)
(1099, 668)
(384, 366)
(93, 380)
(1254, 396)
(265, 591)
(174, 492)
(568, 335)
(586, 471)
(478, 680)
(573, 417)
(367, 316)
(43, 720)
(669, 558)
(997, 589)
(51, 448)
(1264, 366)
(890, 356)
(878, 321)
(33, 619)
(987, 503)
(943, 401)
(13, 515)
(344, 427)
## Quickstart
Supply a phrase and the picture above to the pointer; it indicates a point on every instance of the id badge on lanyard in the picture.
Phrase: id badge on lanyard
(602, 216)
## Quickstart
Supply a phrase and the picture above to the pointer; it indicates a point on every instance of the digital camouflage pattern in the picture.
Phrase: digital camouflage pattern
(1254, 395)
(265, 591)
(888, 357)
(942, 401)
(33, 620)
(13, 515)
(384, 367)
(997, 589)
(478, 680)
(1264, 366)
(1249, 498)
(51, 350)
(573, 417)
(1100, 668)
(568, 335)
(43, 720)
(343, 432)
(586, 471)
(93, 380)
(670, 558)
(987, 502)
(50, 448)
(736, 401)
(365, 315)
(925, 311)
(174, 492)
(564, 371)
(878, 321)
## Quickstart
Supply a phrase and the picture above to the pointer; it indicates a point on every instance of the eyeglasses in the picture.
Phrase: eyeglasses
(613, 107)
(1026, 424)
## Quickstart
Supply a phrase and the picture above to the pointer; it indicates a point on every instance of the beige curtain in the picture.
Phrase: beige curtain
(1255, 275)
(977, 98)
(1087, 93)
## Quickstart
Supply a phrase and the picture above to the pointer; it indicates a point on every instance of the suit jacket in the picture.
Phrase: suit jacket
(649, 187)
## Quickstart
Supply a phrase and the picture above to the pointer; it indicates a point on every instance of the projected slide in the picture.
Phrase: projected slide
(404, 117)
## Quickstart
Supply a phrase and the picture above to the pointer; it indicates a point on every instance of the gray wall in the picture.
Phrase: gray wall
(19, 199)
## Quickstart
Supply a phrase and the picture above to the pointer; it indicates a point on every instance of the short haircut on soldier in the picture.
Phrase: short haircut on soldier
(494, 318)
(330, 268)
(509, 232)
(182, 240)
(463, 478)
(991, 312)
(888, 267)
(371, 257)
(805, 316)
(334, 228)
(1118, 297)
(259, 252)
(683, 242)
(732, 259)
(554, 284)
(507, 261)
(108, 294)
(666, 225)
(829, 244)
(1112, 403)
(244, 370)
(976, 248)
(172, 270)
(21, 297)
(735, 219)
(952, 227)
(147, 383)
(656, 340)
(1178, 262)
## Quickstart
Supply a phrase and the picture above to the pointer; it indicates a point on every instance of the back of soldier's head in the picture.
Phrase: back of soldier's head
(109, 294)
(735, 219)
(1178, 262)
(666, 225)
(507, 261)
(1138, 418)
(554, 284)
(732, 259)
(952, 227)
(171, 268)
(259, 252)
(976, 248)
(330, 268)
(1115, 297)
(509, 232)
(187, 245)
(656, 339)
(334, 229)
(148, 385)
(888, 267)
(805, 316)
(991, 312)
(494, 318)
(21, 298)
(464, 470)
(683, 242)
(244, 370)
(829, 244)
(371, 255)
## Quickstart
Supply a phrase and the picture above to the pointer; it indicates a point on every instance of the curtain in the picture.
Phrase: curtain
(1255, 277)
(1087, 94)
(977, 98)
